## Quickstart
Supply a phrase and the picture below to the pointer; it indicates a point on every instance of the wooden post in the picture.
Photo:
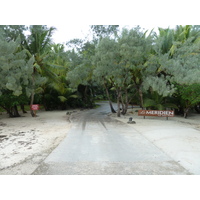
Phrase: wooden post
(34, 108)
(167, 116)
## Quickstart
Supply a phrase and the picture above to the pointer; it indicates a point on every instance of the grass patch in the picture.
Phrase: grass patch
(96, 101)
(26, 108)
(96, 106)
(1, 109)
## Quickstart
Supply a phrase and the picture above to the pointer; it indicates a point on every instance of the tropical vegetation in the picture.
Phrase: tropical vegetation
(156, 70)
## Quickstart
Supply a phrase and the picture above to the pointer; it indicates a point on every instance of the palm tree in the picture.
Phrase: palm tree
(38, 44)
(173, 44)
(165, 40)
(170, 39)
(158, 102)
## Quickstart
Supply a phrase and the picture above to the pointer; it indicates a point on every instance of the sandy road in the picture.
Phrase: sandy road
(98, 144)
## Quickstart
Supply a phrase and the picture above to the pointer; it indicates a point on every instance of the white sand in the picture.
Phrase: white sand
(30, 139)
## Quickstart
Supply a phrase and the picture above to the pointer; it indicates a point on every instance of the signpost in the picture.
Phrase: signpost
(158, 113)
(35, 107)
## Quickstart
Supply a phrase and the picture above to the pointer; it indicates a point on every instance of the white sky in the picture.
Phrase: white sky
(67, 32)
(72, 18)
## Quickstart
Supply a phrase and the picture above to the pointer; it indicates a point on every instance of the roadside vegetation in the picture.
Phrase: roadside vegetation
(129, 66)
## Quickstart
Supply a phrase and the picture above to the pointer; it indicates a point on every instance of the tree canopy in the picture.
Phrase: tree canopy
(154, 70)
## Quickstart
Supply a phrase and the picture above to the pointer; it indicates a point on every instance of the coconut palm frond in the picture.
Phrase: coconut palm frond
(62, 98)
(149, 103)
(170, 105)
(39, 90)
(74, 96)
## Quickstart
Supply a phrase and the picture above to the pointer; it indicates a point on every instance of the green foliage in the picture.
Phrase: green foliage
(15, 70)
(106, 60)
(12, 32)
(160, 85)
(76, 44)
(127, 64)
(101, 31)
(158, 102)
(120, 63)
(175, 60)
(190, 94)
(81, 72)
(81, 68)
(9, 102)
(185, 64)
(38, 43)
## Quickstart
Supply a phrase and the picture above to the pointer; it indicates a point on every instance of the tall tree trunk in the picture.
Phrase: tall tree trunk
(110, 102)
(8, 110)
(33, 92)
(31, 103)
(186, 112)
(22, 108)
(87, 99)
(118, 107)
(111, 107)
(126, 102)
(12, 111)
(85, 94)
(15, 111)
(118, 101)
(123, 106)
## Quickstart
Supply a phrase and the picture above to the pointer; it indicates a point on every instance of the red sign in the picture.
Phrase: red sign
(158, 113)
(35, 107)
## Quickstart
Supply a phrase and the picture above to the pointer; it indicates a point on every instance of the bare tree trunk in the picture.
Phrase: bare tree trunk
(15, 111)
(33, 92)
(12, 111)
(124, 101)
(87, 98)
(118, 101)
(22, 108)
(118, 107)
(123, 106)
(186, 112)
(110, 102)
(31, 103)
(8, 110)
